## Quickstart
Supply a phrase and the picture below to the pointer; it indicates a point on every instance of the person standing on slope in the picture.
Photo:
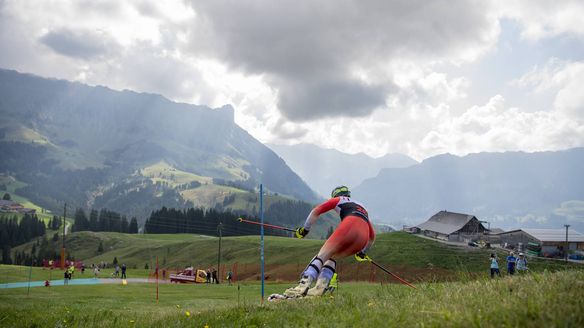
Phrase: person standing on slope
(353, 236)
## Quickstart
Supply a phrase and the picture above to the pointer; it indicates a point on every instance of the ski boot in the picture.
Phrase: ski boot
(301, 289)
(319, 288)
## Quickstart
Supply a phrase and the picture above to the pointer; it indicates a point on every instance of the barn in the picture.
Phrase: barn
(452, 227)
(551, 241)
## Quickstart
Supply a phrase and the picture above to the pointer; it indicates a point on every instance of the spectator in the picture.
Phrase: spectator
(522, 263)
(208, 276)
(71, 271)
(494, 266)
(124, 271)
(511, 262)
(116, 273)
(66, 276)
(229, 276)
(96, 272)
(214, 275)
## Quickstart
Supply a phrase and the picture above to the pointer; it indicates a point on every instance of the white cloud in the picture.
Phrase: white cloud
(371, 77)
(336, 58)
(572, 210)
(545, 19)
(564, 79)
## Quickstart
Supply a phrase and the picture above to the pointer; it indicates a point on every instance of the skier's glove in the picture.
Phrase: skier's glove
(362, 257)
(301, 232)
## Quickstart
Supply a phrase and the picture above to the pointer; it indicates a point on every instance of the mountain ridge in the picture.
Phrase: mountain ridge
(92, 138)
(510, 189)
(323, 169)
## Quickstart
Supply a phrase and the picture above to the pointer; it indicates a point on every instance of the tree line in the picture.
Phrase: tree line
(14, 232)
(209, 222)
(104, 220)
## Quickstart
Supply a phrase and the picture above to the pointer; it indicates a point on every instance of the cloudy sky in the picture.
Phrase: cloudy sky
(413, 77)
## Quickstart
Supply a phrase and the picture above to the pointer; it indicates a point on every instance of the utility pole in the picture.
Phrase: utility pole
(219, 227)
(64, 231)
(567, 244)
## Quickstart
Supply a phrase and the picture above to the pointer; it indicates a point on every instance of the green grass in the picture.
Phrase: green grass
(18, 273)
(536, 300)
(414, 258)
(163, 172)
(24, 134)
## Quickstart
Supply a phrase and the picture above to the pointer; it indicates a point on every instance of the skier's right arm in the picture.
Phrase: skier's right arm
(317, 211)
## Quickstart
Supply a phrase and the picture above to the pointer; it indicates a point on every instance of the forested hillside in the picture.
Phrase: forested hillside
(93, 147)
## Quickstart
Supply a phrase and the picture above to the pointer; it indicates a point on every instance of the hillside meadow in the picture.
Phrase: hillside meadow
(547, 299)
(409, 256)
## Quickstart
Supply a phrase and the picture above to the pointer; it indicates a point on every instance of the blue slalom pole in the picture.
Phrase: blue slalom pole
(262, 236)
(30, 274)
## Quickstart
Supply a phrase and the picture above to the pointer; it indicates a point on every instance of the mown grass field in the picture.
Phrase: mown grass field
(414, 258)
(536, 300)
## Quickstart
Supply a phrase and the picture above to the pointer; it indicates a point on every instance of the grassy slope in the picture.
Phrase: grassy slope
(11, 186)
(536, 300)
(413, 257)
(208, 195)
(164, 172)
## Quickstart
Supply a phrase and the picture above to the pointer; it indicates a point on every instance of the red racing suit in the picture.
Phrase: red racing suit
(353, 235)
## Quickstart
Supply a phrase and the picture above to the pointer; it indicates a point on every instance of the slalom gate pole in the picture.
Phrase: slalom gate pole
(29, 276)
(262, 237)
(393, 275)
(265, 224)
(156, 279)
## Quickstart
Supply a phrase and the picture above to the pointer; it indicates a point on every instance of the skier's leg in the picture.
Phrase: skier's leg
(327, 272)
(350, 237)
(308, 276)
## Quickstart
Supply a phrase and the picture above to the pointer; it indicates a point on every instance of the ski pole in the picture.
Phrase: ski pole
(265, 225)
(393, 275)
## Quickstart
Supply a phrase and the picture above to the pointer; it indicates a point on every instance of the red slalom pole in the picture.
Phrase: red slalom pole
(394, 275)
(156, 279)
(266, 225)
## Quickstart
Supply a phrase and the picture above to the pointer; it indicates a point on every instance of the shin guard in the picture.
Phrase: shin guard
(313, 268)
(328, 270)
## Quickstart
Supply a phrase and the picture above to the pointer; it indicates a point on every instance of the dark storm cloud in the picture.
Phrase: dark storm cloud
(79, 44)
(302, 101)
(295, 43)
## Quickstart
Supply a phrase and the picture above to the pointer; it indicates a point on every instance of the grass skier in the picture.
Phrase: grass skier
(353, 236)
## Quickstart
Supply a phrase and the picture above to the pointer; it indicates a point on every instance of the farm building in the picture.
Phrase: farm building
(452, 226)
(14, 207)
(551, 241)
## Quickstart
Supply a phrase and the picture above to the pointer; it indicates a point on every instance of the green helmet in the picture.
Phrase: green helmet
(341, 191)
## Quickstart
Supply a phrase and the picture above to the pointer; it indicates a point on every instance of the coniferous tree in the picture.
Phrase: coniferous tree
(124, 225)
(55, 223)
(133, 228)
(6, 196)
(81, 221)
(6, 254)
(104, 220)
(93, 220)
